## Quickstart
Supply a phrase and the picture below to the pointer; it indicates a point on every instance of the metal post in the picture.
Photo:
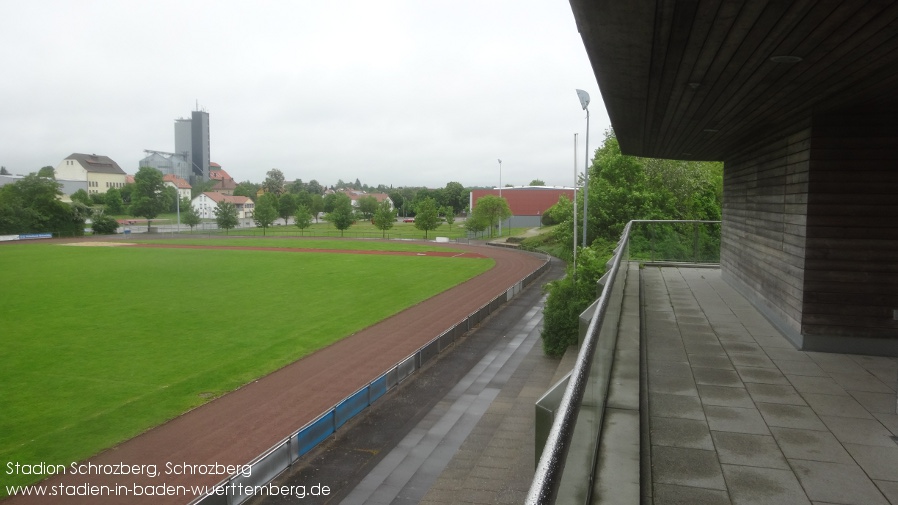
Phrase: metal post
(575, 207)
(586, 179)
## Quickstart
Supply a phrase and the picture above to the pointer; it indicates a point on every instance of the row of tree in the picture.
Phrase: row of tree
(621, 188)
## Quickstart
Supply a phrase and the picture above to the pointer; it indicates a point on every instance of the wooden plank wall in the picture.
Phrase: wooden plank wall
(763, 234)
(851, 267)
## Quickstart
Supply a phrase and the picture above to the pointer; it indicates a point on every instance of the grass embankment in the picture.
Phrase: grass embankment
(101, 344)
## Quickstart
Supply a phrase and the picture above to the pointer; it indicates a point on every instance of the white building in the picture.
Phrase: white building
(205, 204)
(182, 186)
(99, 172)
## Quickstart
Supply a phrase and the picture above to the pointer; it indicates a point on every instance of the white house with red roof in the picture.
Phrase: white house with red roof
(205, 204)
(183, 187)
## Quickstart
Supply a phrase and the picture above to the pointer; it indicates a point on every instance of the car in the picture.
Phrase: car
(409, 220)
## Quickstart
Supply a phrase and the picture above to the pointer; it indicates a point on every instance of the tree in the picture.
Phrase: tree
(455, 196)
(537, 182)
(475, 225)
(147, 198)
(449, 212)
(341, 216)
(226, 215)
(287, 205)
(104, 225)
(113, 201)
(191, 218)
(274, 182)
(367, 206)
(247, 189)
(316, 205)
(302, 218)
(314, 188)
(47, 171)
(427, 215)
(384, 217)
(80, 196)
(266, 211)
(330, 201)
(491, 209)
(31, 205)
(4, 171)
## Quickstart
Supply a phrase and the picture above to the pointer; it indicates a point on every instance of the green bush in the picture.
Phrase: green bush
(104, 225)
(568, 298)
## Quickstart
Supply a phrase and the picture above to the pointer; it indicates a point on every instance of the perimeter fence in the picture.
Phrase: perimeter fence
(237, 488)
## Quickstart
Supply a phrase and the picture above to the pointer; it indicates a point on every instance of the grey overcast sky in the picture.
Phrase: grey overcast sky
(403, 93)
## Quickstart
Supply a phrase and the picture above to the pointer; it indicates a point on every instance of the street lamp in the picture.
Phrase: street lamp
(584, 102)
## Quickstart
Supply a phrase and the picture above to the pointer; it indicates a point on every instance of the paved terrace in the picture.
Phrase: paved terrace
(737, 415)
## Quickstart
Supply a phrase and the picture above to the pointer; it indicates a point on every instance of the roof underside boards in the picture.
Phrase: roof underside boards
(695, 80)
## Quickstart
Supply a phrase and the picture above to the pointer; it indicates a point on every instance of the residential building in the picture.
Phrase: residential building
(99, 172)
(205, 203)
(179, 184)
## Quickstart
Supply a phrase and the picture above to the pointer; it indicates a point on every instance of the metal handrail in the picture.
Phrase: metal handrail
(548, 476)
(544, 487)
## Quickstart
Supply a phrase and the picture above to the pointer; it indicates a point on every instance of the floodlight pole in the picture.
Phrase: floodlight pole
(584, 101)
(575, 208)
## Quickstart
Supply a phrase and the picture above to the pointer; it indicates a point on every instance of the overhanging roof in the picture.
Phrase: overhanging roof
(695, 79)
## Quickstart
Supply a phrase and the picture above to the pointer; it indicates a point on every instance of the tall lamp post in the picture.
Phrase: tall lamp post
(584, 102)
(500, 194)
(575, 207)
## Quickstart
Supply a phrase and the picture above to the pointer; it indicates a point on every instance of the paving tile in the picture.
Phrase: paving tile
(666, 494)
(686, 467)
(810, 445)
(674, 385)
(762, 375)
(721, 361)
(882, 403)
(799, 368)
(702, 348)
(745, 359)
(836, 405)
(890, 421)
(773, 342)
(724, 396)
(888, 488)
(716, 377)
(735, 419)
(837, 483)
(790, 354)
(658, 369)
(736, 346)
(790, 416)
(880, 463)
(749, 450)
(774, 393)
(858, 431)
(857, 382)
(758, 486)
(680, 406)
(813, 384)
(673, 432)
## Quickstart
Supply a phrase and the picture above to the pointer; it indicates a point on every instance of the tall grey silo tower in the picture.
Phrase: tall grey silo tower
(192, 142)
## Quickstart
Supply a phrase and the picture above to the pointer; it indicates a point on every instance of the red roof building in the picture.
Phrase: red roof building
(525, 201)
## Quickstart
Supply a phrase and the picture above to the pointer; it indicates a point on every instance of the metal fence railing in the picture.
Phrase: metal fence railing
(239, 487)
(565, 470)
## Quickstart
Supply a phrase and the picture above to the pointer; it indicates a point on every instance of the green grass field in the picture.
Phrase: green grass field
(102, 343)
